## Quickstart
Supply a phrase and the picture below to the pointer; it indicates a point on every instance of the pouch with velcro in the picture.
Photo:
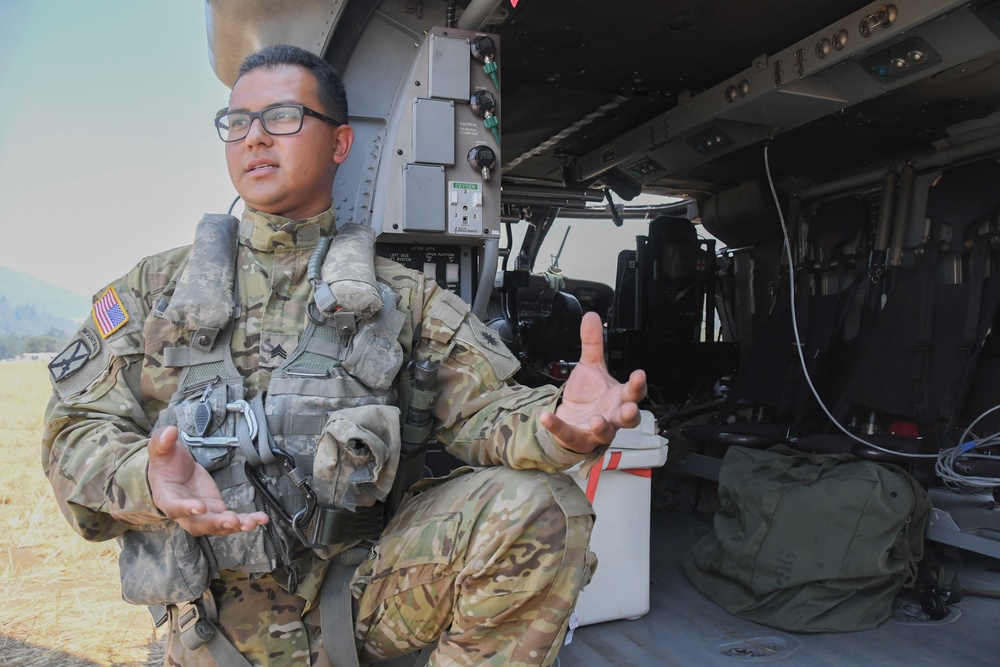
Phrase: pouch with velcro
(355, 462)
(162, 566)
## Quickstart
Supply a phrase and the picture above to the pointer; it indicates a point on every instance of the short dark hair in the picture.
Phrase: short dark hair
(329, 84)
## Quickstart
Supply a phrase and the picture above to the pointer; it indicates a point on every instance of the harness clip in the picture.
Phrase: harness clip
(196, 621)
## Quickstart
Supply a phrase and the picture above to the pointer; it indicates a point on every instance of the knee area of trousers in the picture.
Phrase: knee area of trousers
(533, 491)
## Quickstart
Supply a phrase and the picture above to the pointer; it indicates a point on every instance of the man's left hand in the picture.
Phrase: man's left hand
(594, 405)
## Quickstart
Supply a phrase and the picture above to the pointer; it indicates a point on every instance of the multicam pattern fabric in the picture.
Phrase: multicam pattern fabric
(490, 563)
(98, 422)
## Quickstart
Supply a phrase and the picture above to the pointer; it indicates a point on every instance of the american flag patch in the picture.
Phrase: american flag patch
(109, 313)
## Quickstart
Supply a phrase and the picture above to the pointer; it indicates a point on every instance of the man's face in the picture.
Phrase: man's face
(289, 175)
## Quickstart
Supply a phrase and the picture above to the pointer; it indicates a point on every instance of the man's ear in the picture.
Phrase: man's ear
(345, 139)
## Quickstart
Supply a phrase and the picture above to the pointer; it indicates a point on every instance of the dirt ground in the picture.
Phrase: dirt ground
(61, 595)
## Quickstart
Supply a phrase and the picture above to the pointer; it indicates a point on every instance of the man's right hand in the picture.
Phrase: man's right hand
(185, 492)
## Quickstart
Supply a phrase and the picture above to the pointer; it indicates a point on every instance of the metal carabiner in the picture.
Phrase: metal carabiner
(243, 407)
(301, 520)
(240, 406)
(295, 475)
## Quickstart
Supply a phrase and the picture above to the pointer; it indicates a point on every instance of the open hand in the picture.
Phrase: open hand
(594, 405)
(186, 492)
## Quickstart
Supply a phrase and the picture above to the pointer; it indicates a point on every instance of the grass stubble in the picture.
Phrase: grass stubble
(60, 597)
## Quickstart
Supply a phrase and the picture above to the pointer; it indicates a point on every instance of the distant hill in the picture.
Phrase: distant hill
(30, 307)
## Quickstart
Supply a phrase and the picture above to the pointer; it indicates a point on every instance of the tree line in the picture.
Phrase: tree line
(13, 345)
(26, 329)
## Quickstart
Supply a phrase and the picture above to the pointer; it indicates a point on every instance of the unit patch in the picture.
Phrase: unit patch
(488, 342)
(109, 313)
(79, 351)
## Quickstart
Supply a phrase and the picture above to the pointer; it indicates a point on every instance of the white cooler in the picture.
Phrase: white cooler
(620, 493)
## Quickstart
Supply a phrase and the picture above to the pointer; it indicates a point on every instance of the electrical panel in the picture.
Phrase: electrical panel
(438, 170)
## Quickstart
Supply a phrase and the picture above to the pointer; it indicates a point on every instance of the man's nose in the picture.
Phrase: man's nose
(256, 134)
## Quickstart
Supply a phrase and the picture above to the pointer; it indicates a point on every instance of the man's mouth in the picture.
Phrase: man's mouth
(259, 165)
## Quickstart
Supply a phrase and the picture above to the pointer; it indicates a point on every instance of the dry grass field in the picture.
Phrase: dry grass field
(60, 601)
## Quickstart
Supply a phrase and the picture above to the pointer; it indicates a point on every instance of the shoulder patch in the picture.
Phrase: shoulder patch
(109, 313)
(477, 335)
(82, 348)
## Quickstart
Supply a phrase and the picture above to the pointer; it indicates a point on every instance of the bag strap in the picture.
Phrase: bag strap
(336, 615)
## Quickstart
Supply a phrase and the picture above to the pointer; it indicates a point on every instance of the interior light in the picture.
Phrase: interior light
(840, 39)
(881, 71)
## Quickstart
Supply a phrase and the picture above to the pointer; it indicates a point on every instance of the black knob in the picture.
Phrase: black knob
(483, 47)
(482, 102)
(483, 157)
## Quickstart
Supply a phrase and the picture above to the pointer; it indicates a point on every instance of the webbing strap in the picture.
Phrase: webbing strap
(970, 335)
(261, 453)
(340, 526)
(224, 653)
(613, 459)
(179, 357)
(197, 628)
(336, 615)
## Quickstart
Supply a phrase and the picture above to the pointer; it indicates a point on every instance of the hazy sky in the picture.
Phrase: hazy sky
(107, 148)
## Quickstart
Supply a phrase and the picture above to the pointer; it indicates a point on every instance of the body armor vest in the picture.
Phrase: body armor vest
(317, 451)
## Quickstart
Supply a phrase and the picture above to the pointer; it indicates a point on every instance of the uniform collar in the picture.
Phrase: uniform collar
(271, 233)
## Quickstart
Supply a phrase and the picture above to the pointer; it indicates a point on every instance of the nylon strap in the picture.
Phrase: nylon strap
(337, 526)
(336, 613)
(197, 627)
(970, 336)
(224, 653)
(261, 454)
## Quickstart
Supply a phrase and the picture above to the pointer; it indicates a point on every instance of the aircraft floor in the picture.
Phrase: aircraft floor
(683, 628)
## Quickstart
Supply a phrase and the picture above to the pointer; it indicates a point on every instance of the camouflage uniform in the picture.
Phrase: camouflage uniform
(490, 561)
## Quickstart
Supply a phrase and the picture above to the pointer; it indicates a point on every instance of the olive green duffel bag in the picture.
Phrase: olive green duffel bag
(810, 543)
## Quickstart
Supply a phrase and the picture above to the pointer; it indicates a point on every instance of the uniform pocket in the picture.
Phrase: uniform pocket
(407, 561)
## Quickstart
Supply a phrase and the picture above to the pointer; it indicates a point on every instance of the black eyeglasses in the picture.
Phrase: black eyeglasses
(280, 119)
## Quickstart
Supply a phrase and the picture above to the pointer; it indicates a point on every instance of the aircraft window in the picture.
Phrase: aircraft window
(591, 248)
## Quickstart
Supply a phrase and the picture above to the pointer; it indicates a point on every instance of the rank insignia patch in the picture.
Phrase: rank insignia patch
(109, 314)
(71, 359)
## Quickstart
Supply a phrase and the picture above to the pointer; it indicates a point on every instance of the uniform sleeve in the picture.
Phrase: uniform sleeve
(483, 417)
(94, 443)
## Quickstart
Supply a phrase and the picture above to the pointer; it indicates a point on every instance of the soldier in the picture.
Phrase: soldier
(291, 430)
